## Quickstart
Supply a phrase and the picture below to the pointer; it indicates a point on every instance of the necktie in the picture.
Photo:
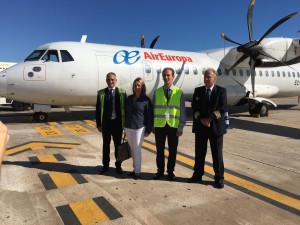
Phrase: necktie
(111, 102)
(168, 94)
(207, 96)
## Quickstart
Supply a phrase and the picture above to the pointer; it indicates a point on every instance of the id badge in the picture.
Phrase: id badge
(167, 115)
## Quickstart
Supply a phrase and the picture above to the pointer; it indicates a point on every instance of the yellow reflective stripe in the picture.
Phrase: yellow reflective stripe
(62, 179)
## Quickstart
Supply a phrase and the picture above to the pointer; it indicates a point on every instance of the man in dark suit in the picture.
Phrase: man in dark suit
(209, 105)
(110, 117)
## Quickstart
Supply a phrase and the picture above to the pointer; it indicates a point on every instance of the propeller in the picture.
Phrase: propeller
(253, 49)
(152, 43)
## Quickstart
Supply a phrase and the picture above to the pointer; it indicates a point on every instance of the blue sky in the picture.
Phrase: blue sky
(187, 25)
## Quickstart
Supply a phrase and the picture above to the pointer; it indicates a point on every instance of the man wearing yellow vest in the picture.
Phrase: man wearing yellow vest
(110, 117)
(169, 120)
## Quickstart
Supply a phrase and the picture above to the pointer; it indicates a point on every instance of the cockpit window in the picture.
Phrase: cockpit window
(66, 56)
(35, 56)
(51, 55)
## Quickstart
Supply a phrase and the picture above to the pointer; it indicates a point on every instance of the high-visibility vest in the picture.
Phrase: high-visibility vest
(167, 111)
(101, 95)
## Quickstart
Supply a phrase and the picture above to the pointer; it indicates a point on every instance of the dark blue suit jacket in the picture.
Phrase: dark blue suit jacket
(216, 110)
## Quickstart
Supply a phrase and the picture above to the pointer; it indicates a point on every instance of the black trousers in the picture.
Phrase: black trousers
(111, 128)
(216, 144)
(161, 133)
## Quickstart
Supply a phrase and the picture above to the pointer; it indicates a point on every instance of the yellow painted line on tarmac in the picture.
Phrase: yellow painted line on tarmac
(88, 212)
(53, 123)
(49, 131)
(47, 158)
(91, 123)
(77, 129)
(256, 188)
(62, 179)
(37, 146)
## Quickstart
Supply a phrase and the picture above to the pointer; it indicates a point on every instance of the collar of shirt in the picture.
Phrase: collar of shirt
(211, 88)
(171, 88)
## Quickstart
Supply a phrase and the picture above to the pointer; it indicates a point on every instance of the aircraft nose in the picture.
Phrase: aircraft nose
(3, 84)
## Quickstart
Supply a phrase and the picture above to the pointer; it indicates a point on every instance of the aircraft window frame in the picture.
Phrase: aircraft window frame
(53, 56)
(289, 74)
(234, 72)
(294, 75)
(278, 73)
(283, 73)
(267, 73)
(241, 72)
(248, 73)
(66, 56)
(186, 70)
(260, 73)
(273, 73)
(35, 55)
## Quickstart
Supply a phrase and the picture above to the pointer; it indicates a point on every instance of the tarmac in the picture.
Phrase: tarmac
(51, 173)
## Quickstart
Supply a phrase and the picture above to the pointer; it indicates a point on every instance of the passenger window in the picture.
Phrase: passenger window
(283, 74)
(241, 72)
(278, 74)
(289, 74)
(226, 71)
(66, 56)
(195, 70)
(234, 72)
(260, 73)
(219, 71)
(267, 73)
(248, 73)
(273, 74)
(293, 74)
(298, 74)
(51, 55)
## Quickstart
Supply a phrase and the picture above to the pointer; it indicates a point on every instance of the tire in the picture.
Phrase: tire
(40, 117)
(19, 106)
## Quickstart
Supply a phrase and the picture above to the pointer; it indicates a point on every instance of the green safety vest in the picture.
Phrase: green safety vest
(167, 112)
(122, 93)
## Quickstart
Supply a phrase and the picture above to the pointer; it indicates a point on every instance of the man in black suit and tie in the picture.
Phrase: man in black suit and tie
(209, 105)
(110, 117)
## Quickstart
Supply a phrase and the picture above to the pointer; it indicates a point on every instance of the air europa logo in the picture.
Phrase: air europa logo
(163, 57)
(132, 57)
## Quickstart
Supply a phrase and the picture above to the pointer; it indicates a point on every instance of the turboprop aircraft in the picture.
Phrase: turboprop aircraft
(71, 73)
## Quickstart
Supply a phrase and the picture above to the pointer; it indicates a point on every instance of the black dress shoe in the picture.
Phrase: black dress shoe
(104, 169)
(157, 176)
(137, 176)
(130, 174)
(194, 179)
(171, 177)
(219, 183)
(119, 169)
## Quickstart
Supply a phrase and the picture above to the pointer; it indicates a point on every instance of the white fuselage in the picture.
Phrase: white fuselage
(57, 81)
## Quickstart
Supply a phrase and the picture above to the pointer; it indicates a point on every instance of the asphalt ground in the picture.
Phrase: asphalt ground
(51, 173)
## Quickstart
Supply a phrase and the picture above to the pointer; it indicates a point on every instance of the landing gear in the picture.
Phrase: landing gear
(258, 109)
(40, 117)
(19, 106)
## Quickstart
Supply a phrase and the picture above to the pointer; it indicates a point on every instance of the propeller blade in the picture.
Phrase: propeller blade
(154, 41)
(276, 25)
(143, 41)
(238, 62)
(268, 55)
(228, 39)
(249, 19)
(252, 73)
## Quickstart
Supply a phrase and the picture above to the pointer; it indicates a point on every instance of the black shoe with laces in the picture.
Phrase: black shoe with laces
(219, 183)
(171, 177)
(157, 176)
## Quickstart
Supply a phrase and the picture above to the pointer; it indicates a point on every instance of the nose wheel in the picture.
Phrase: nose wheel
(40, 117)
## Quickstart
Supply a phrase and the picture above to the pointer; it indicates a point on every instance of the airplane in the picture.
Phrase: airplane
(71, 73)
(17, 106)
